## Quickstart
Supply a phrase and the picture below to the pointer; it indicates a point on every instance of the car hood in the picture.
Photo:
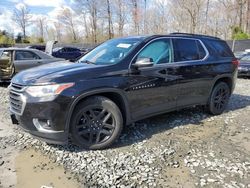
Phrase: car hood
(50, 73)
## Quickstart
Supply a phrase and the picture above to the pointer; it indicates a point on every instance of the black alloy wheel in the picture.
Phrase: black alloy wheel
(219, 98)
(97, 123)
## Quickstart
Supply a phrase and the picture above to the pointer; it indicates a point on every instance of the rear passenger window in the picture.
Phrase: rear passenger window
(188, 50)
(25, 55)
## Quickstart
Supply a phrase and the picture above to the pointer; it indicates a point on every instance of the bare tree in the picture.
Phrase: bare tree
(248, 17)
(145, 28)
(193, 8)
(66, 17)
(135, 13)
(21, 16)
(58, 32)
(110, 24)
(91, 8)
(241, 5)
(120, 12)
(86, 25)
(41, 21)
(206, 15)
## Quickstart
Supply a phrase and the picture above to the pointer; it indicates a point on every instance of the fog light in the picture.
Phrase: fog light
(44, 125)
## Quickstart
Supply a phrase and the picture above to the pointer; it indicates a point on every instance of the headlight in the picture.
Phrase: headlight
(47, 90)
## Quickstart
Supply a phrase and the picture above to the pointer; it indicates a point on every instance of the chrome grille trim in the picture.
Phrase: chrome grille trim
(17, 98)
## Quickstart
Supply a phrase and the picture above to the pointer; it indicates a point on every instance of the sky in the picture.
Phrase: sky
(37, 8)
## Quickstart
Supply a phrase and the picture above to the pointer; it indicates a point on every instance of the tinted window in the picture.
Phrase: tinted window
(73, 49)
(69, 49)
(64, 50)
(160, 51)
(187, 50)
(220, 48)
(25, 55)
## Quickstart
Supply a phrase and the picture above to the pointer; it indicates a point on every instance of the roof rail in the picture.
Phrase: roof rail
(192, 34)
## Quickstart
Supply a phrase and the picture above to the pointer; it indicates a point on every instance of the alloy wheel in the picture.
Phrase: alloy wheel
(95, 125)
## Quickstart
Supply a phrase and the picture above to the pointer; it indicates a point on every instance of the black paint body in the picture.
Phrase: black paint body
(139, 93)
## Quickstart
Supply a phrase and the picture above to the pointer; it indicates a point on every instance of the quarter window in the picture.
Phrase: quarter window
(25, 55)
(220, 48)
(188, 50)
(159, 51)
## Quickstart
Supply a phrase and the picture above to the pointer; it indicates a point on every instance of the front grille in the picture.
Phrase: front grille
(17, 99)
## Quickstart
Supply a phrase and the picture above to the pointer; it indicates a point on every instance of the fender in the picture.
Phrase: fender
(219, 77)
(94, 92)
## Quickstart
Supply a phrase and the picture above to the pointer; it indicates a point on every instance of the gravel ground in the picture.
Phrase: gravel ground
(188, 148)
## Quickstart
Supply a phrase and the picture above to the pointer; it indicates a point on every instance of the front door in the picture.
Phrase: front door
(153, 89)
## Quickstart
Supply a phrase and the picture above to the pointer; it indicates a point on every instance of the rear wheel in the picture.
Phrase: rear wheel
(96, 123)
(219, 98)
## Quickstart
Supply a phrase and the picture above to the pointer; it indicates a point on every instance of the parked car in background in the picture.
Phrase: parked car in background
(14, 60)
(241, 54)
(85, 50)
(244, 68)
(38, 47)
(122, 81)
(68, 53)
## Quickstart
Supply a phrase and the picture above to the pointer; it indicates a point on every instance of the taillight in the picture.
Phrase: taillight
(236, 62)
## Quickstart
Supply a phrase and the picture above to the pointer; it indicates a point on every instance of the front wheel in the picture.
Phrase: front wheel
(96, 123)
(219, 98)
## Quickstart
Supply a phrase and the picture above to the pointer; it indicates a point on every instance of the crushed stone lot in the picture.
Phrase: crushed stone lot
(188, 148)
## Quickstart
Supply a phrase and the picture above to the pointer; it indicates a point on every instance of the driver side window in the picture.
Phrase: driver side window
(159, 51)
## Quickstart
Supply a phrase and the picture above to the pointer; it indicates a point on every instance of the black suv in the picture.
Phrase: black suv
(119, 82)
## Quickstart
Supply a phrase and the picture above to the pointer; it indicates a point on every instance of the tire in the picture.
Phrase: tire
(219, 98)
(96, 123)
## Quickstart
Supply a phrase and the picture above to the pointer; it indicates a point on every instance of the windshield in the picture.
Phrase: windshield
(110, 52)
(246, 58)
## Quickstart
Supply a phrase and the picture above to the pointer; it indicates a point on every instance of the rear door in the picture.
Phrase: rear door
(26, 59)
(194, 82)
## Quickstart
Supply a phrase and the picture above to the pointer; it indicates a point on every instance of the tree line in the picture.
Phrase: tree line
(94, 21)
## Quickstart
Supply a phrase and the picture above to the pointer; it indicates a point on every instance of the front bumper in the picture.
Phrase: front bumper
(60, 138)
(55, 112)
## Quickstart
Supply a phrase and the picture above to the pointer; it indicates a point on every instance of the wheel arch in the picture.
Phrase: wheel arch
(223, 78)
(227, 79)
(117, 96)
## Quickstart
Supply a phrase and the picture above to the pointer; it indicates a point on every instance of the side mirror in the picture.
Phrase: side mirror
(144, 62)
